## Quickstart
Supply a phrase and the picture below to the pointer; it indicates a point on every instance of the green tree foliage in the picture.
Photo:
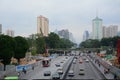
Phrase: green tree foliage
(114, 41)
(105, 42)
(65, 43)
(7, 48)
(21, 47)
(54, 40)
(40, 45)
(90, 44)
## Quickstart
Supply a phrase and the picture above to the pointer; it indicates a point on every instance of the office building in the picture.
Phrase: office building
(97, 28)
(64, 34)
(85, 35)
(42, 25)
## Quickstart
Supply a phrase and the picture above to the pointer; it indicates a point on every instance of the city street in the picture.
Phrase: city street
(90, 72)
(38, 72)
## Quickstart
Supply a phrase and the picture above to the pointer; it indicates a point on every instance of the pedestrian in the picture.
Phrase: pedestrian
(99, 64)
(24, 70)
(115, 76)
(32, 67)
(105, 71)
(18, 74)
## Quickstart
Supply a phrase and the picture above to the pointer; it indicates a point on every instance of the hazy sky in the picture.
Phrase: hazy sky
(75, 15)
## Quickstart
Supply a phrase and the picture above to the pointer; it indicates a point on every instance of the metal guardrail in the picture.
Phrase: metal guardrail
(68, 67)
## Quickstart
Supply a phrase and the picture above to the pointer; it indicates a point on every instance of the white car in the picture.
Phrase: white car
(82, 72)
(60, 70)
(74, 61)
(71, 73)
(86, 60)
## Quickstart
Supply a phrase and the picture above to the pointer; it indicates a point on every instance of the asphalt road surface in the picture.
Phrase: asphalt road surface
(90, 71)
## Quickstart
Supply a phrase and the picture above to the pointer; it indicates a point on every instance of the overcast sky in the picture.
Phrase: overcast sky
(74, 15)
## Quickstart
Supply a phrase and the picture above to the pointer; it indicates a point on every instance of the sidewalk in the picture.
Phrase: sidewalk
(101, 68)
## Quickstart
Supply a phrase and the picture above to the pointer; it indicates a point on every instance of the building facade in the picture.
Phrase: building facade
(0, 28)
(112, 31)
(42, 25)
(10, 33)
(97, 28)
(85, 35)
(64, 34)
(104, 32)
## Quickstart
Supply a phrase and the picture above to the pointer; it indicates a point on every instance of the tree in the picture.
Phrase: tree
(7, 48)
(114, 41)
(40, 45)
(90, 43)
(54, 40)
(65, 43)
(21, 47)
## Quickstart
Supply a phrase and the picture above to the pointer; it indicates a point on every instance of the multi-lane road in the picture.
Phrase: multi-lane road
(90, 71)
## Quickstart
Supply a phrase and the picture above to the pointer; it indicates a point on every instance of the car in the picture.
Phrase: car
(74, 61)
(60, 70)
(80, 61)
(47, 73)
(82, 72)
(71, 73)
(66, 57)
(75, 57)
(55, 76)
(57, 64)
(62, 62)
(86, 60)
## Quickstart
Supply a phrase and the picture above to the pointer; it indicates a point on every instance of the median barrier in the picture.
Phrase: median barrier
(67, 67)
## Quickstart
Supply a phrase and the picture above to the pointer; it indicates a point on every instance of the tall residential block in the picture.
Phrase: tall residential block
(104, 32)
(97, 28)
(112, 31)
(42, 25)
(0, 28)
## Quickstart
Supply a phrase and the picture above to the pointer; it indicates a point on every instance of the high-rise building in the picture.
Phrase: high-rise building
(10, 33)
(64, 34)
(0, 28)
(71, 38)
(42, 25)
(104, 32)
(112, 31)
(85, 35)
(97, 28)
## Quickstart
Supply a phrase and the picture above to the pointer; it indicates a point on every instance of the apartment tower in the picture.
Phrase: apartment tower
(42, 25)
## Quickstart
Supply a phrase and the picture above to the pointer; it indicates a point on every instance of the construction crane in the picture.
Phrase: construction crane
(46, 54)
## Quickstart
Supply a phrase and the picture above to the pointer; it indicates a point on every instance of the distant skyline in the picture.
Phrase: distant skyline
(74, 15)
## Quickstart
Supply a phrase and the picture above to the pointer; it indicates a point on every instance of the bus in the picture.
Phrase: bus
(46, 62)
